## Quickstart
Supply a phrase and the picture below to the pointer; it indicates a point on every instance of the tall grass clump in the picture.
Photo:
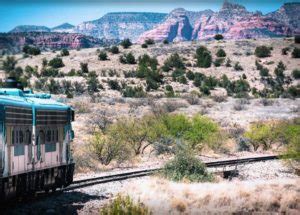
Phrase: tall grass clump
(123, 206)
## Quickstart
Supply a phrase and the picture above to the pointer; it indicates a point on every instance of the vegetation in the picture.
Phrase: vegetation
(203, 57)
(297, 39)
(64, 52)
(221, 53)
(31, 50)
(84, 68)
(126, 43)
(296, 73)
(265, 134)
(262, 51)
(296, 53)
(166, 41)
(218, 37)
(56, 63)
(124, 205)
(173, 62)
(102, 56)
(134, 92)
(93, 84)
(114, 85)
(238, 67)
(9, 64)
(114, 50)
(144, 46)
(184, 167)
(134, 136)
(127, 59)
(149, 41)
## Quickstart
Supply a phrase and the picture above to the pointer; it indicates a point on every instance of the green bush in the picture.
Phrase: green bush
(102, 56)
(173, 62)
(166, 41)
(190, 75)
(296, 53)
(262, 51)
(182, 80)
(144, 46)
(177, 73)
(285, 50)
(238, 67)
(264, 72)
(114, 50)
(294, 91)
(84, 67)
(218, 37)
(127, 59)
(114, 85)
(184, 166)
(218, 62)
(93, 84)
(53, 87)
(123, 206)
(126, 43)
(49, 72)
(31, 50)
(134, 92)
(228, 63)
(296, 73)
(149, 41)
(56, 63)
(221, 53)
(203, 57)
(169, 91)
(9, 64)
(64, 52)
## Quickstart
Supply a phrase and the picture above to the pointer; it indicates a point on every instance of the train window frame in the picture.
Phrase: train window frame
(18, 141)
(50, 146)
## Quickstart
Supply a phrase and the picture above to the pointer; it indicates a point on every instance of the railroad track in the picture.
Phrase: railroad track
(141, 173)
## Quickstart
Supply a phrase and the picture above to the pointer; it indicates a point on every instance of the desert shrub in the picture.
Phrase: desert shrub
(49, 72)
(144, 46)
(296, 53)
(56, 63)
(72, 73)
(135, 92)
(40, 84)
(64, 52)
(93, 84)
(114, 50)
(218, 62)
(266, 102)
(193, 98)
(285, 50)
(294, 92)
(84, 67)
(182, 80)
(261, 135)
(177, 73)
(67, 88)
(264, 72)
(218, 37)
(221, 53)
(102, 56)
(243, 145)
(108, 149)
(262, 51)
(149, 41)
(173, 62)
(190, 75)
(126, 43)
(185, 166)
(165, 41)
(53, 87)
(114, 85)
(228, 63)
(203, 57)
(198, 79)
(32, 50)
(169, 91)
(147, 61)
(127, 59)
(297, 38)
(296, 73)
(81, 107)
(9, 64)
(238, 67)
(79, 88)
(30, 71)
(124, 205)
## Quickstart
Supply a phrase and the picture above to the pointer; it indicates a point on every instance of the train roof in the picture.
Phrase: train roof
(27, 99)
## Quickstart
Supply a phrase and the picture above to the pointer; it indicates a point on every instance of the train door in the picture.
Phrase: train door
(40, 150)
(18, 158)
(52, 147)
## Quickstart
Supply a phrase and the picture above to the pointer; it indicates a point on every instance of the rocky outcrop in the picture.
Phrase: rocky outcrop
(120, 25)
(65, 27)
(30, 28)
(13, 42)
(233, 21)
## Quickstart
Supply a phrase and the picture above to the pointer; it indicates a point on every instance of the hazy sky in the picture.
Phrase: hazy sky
(56, 12)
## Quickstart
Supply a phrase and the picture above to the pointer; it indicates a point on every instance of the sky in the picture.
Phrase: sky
(55, 12)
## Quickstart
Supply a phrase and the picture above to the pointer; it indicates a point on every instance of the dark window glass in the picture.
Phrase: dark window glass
(13, 137)
(21, 137)
(48, 137)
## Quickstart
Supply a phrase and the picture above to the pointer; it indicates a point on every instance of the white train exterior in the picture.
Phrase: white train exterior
(35, 137)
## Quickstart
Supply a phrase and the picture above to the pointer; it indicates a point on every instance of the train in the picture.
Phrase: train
(35, 142)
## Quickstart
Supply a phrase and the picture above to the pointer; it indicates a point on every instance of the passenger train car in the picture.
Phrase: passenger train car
(35, 138)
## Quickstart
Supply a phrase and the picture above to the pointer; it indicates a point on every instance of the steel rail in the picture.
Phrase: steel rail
(141, 173)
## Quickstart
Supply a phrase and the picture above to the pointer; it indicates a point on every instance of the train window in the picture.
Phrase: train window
(53, 135)
(12, 137)
(48, 136)
(56, 136)
(28, 137)
(21, 137)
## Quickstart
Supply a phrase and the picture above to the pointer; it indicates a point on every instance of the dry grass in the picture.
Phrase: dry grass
(261, 196)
